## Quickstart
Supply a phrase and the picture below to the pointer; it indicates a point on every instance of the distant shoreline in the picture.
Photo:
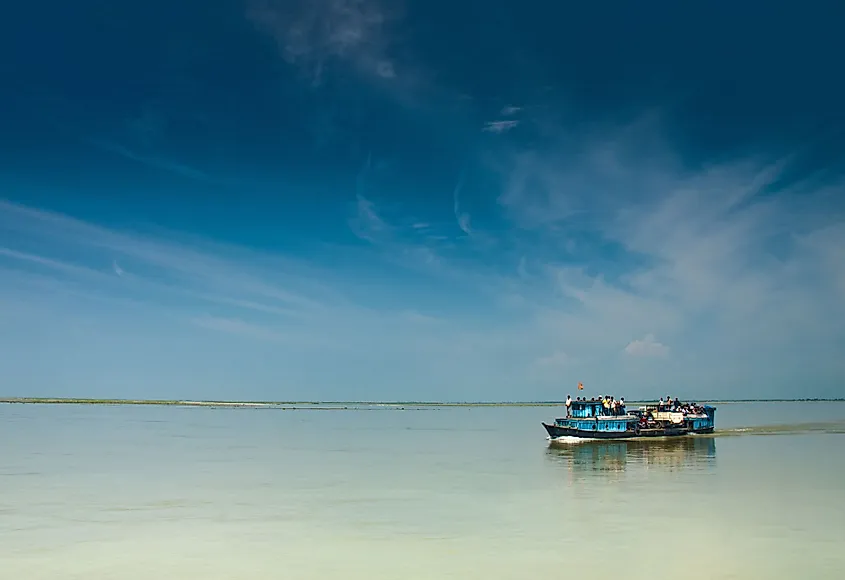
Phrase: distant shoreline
(341, 405)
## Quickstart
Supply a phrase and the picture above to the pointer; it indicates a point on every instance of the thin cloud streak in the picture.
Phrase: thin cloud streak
(151, 161)
(693, 263)
(500, 126)
(166, 263)
(168, 275)
(462, 218)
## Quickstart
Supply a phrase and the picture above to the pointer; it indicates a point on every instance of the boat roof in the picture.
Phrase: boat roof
(585, 403)
(647, 406)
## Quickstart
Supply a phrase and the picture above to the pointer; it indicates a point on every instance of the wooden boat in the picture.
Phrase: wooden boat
(589, 420)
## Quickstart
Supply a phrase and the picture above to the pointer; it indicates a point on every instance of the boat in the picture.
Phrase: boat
(590, 420)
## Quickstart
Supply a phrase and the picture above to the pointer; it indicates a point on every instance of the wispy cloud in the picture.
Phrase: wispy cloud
(158, 266)
(313, 33)
(367, 224)
(462, 217)
(616, 266)
(646, 346)
(154, 161)
(223, 301)
(728, 261)
(716, 258)
(500, 126)
(503, 125)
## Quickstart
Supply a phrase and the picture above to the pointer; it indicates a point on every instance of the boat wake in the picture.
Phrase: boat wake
(829, 427)
(566, 440)
(570, 440)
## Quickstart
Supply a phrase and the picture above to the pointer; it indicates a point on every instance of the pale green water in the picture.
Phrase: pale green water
(94, 492)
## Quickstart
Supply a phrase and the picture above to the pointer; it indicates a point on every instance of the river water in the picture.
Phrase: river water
(130, 492)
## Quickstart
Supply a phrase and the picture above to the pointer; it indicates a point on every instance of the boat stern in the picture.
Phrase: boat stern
(703, 422)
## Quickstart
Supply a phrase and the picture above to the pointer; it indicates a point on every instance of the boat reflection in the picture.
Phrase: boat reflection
(671, 454)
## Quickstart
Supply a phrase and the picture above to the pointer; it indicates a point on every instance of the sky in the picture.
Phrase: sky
(345, 200)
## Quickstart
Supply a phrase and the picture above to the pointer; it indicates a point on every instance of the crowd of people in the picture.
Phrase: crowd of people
(613, 407)
(609, 405)
(677, 406)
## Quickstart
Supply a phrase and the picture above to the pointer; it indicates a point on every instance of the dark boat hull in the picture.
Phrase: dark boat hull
(556, 432)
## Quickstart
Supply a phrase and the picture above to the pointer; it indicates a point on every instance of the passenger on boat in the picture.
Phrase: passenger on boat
(605, 403)
(622, 406)
(568, 406)
(660, 404)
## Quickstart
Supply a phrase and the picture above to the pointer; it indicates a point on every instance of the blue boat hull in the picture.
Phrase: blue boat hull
(556, 432)
(590, 420)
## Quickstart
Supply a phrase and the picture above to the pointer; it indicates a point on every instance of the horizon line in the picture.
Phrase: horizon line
(237, 403)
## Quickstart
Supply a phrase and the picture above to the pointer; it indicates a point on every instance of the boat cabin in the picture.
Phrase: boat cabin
(583, 409)
(591, 416)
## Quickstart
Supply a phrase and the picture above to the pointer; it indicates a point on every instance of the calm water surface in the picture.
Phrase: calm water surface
(122, 492)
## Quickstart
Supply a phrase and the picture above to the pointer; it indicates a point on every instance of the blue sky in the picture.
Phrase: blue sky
(351, 199)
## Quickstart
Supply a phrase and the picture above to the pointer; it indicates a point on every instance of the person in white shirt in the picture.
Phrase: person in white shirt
(568, 405)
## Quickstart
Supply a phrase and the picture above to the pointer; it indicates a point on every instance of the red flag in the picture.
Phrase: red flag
(580, 387)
